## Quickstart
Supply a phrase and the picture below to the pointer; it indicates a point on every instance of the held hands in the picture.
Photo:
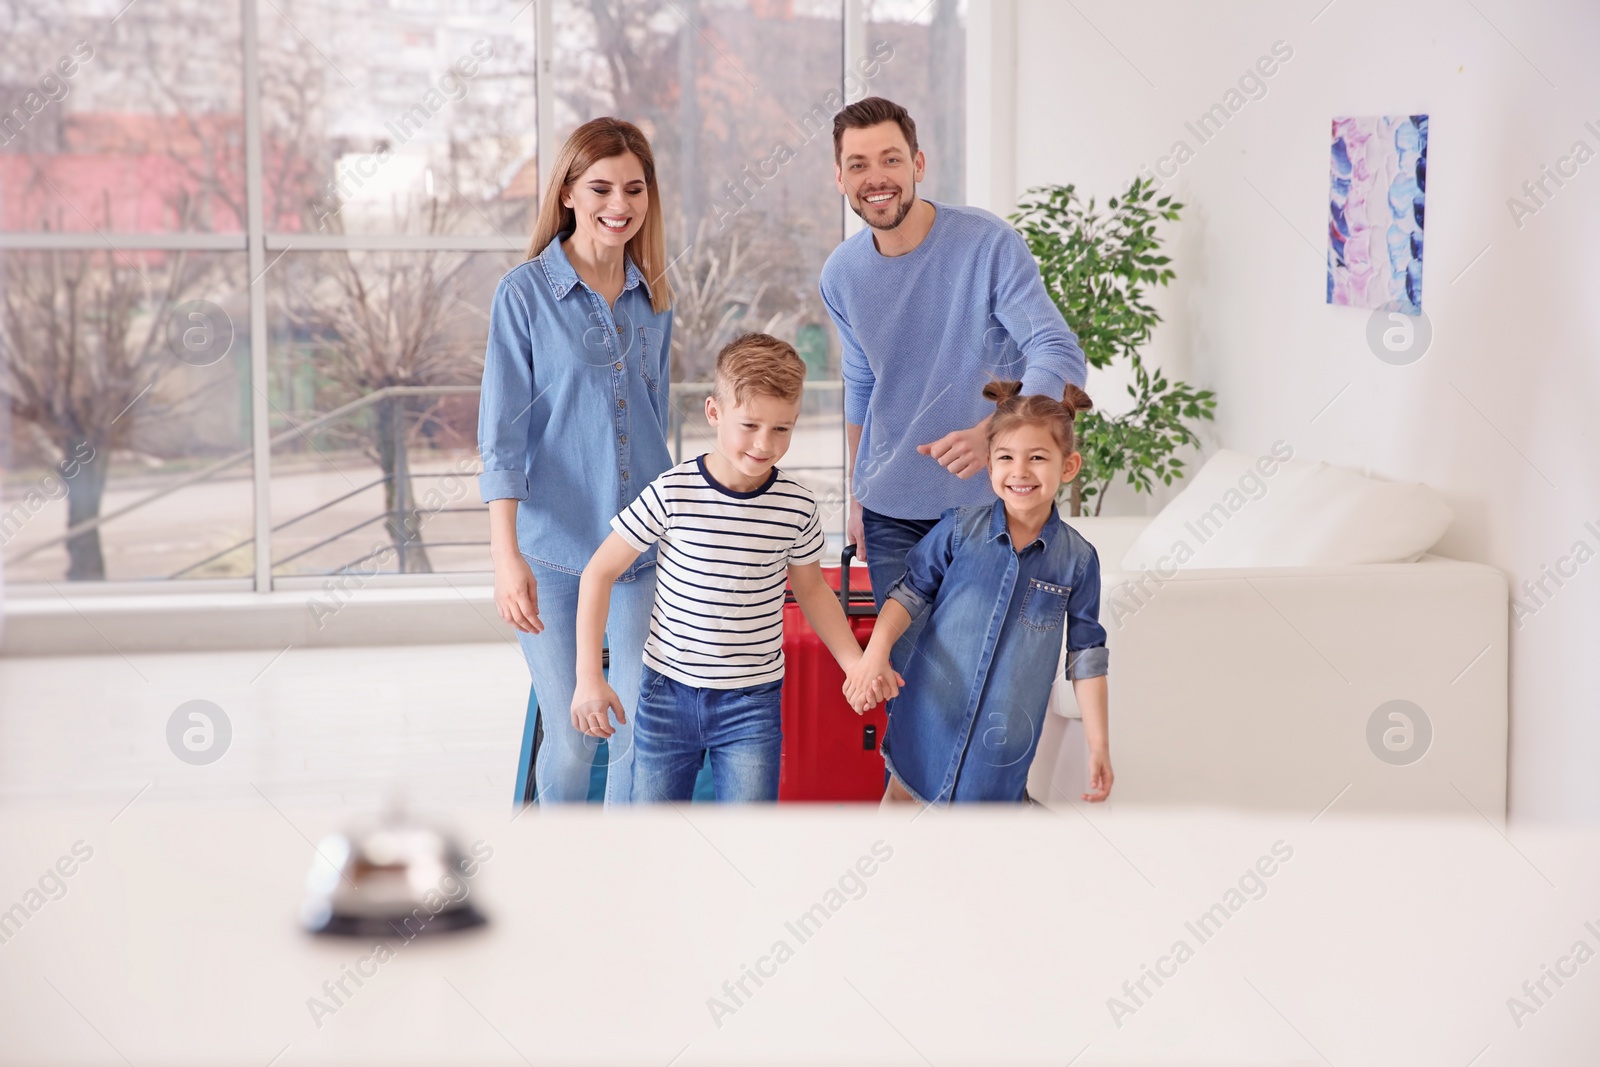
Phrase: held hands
(591, 703)
(870, 680)
(961, 452)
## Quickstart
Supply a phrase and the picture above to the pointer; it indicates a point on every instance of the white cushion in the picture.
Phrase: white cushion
(1271, 511)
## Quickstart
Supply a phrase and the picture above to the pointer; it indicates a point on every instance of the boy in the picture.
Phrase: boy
(732, 530)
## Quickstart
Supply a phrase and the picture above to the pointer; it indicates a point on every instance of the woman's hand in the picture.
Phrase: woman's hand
(516, 593)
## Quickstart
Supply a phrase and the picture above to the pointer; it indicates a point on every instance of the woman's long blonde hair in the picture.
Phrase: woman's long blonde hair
(595, 140)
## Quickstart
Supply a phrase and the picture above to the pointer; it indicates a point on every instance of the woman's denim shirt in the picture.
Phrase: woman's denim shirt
(966, 725)
(573, 416)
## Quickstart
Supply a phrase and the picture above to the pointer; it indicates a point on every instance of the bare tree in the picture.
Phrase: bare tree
(718, 286)
(87, 335)
(377, 319)
(386, 319)
(83, 337)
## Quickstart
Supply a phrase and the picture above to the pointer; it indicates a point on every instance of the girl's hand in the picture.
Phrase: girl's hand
(886, 686)
(870, 681)
(516, 593)
(591, 705)
(1099, 776)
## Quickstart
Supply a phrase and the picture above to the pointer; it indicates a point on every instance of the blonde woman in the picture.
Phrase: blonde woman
(572, 426)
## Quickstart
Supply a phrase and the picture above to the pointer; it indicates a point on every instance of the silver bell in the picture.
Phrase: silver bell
(392, 878)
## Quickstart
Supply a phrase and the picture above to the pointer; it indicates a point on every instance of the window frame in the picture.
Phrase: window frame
(262, 247)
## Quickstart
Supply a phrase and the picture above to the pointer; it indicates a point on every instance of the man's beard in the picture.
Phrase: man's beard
(900, 216)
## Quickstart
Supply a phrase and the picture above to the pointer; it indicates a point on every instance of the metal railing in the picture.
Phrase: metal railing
(210, 471)
(347, 531)
(678, 418)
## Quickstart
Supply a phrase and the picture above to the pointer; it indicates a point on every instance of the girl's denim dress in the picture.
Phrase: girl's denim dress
(966, 725)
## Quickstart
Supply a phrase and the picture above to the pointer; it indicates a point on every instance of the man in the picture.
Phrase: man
(931, 301)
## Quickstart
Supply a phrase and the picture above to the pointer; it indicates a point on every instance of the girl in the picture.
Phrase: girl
(1000, 583)
(573, 424)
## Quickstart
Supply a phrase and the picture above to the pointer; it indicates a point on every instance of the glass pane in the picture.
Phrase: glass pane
(746, 169)
(927, 76)
(414, 117)
(127, 375)
(130, 127)
(376, 358)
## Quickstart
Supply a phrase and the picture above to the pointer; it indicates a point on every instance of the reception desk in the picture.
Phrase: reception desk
(167, 934)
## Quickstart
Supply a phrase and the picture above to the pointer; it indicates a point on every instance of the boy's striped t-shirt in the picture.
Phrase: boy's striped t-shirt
(721, 569)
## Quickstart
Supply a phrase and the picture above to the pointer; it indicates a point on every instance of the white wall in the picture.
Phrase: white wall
(1498, 414)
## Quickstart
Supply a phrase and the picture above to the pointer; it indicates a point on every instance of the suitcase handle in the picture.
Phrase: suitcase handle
(845, 559)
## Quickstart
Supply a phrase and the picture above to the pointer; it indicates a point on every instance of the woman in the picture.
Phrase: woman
(573, 424)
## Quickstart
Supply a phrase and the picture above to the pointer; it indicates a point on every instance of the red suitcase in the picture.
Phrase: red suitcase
(829, 752)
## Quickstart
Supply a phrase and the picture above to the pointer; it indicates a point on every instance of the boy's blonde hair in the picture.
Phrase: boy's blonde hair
(759, 364)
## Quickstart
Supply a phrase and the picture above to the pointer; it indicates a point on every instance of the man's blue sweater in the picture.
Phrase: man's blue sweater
(922, 334)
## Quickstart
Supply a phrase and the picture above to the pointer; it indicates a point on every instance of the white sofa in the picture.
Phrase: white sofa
(1254, 687)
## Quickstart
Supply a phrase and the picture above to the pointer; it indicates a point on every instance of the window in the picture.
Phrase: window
(246, 393)
(124, 342)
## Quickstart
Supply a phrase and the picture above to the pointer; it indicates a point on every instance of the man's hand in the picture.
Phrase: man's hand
(855, 530)
(961, 452)
(590, 704)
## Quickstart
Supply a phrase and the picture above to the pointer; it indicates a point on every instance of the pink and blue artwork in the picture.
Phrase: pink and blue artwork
(1378, 172)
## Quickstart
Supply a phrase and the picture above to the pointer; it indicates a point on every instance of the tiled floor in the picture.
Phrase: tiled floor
(315, 726)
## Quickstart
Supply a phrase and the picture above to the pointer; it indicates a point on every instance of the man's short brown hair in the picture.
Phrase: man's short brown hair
(759, 364)
(873, 111)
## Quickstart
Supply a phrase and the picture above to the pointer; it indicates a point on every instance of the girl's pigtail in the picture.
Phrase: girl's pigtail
(1075, 400)
(998, 391)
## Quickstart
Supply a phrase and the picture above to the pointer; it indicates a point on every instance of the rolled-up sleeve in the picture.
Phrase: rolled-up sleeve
(1050, 351)
(505, 406)
(926, 564)
(1087, 656)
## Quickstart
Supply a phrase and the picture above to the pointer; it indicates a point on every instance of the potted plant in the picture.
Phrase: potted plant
(1096, 266)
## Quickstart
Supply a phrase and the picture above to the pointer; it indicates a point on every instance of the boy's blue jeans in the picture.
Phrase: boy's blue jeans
(676, 724)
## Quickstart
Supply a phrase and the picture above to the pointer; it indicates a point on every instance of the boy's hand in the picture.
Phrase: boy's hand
(869, 681)
(591, 704)
(1099, 776)
(858, 679)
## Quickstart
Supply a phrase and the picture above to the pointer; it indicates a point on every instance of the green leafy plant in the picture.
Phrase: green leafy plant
(1097, 266)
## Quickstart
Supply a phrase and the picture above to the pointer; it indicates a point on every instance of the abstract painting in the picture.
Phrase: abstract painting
(1378, 171)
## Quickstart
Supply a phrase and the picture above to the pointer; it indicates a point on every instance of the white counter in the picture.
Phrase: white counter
(977, 937)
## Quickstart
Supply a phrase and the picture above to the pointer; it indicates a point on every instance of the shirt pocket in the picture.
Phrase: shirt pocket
(1043, 605)
(649, 356)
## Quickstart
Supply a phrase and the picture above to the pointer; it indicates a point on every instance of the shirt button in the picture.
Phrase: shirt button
(616, 366)
(622, 403)
(624, 439)
(619, 329)
(624, 475)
